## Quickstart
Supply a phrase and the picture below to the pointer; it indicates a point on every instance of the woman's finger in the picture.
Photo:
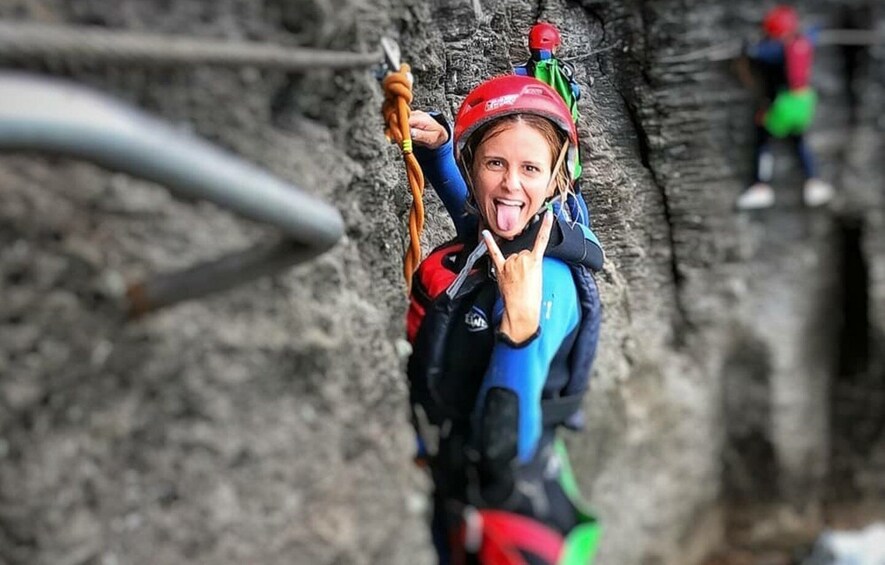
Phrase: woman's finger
(494, 250)
(423, 137)
(543, 235)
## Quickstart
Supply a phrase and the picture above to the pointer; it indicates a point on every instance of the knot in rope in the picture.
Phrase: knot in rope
(397, 97)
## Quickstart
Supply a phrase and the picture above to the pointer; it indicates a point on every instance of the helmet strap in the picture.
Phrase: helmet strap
(559, 160)
(548, 201)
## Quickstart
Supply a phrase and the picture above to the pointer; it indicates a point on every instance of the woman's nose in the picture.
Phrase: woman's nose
(511, 180)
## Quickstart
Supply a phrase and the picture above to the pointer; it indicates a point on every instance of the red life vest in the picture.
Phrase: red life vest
(798, 56)
(495, 537)
(433, 277)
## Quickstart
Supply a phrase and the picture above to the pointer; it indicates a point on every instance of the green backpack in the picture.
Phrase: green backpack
(553, 72)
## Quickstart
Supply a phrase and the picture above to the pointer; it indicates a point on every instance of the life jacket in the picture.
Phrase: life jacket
(496, 537)
(452, 341)
(493, 537)
(798, 59)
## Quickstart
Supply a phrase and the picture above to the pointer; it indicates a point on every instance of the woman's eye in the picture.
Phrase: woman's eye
(532, 169)
(494, 163)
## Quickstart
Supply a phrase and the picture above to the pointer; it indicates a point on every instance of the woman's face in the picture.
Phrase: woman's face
(511, 174)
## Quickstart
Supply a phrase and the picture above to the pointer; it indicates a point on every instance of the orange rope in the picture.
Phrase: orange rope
(397, 97)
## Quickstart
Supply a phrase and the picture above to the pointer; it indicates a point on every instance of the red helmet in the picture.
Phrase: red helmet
(781, 22)
(544, 36)
(514, 94)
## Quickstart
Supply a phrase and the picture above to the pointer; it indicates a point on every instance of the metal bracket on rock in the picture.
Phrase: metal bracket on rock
(60, 117)
(392, 58)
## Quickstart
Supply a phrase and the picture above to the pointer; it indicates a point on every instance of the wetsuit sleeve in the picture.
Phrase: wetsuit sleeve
(595, 255)
(569, 71)
(577, 244)
(509, 403)
(442, 172)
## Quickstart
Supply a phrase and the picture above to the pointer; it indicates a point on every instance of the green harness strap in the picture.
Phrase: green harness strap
(550, 71)
(582, 543)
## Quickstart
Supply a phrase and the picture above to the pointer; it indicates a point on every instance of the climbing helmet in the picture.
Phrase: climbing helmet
(514, 94)
(544, 36)
(781, 22)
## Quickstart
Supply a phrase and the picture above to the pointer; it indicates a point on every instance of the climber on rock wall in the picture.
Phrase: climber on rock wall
(503, 343)
(782, 62)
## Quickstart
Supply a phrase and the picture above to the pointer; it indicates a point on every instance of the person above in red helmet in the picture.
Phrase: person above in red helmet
(781, 23)
(544, 37)
(782, 62)
(544, 40)
(503, 342)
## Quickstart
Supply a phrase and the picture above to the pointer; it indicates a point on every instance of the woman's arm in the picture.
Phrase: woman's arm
(435, 153)
(537, 311)
(509, 403)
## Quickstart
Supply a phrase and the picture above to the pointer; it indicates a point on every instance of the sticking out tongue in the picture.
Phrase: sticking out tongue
(507, 216)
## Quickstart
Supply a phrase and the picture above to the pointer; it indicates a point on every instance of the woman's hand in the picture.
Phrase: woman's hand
(520, 282)
(426, 131)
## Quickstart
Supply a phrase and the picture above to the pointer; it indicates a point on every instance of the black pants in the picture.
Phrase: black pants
(538, 495)
(765, 159)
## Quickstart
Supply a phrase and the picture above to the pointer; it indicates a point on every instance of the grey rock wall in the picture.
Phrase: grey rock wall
(268, 424)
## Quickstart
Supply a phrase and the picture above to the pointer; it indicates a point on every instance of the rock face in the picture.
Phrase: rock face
(741, 360)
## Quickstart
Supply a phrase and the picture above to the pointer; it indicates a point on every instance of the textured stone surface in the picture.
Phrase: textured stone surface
(268, 424)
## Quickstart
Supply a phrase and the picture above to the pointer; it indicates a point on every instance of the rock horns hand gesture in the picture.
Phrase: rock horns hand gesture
(520, 282)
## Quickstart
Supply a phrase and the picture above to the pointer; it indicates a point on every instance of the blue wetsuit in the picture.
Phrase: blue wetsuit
(506, 426)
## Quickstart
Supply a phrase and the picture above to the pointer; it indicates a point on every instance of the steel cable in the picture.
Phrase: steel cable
(25, 41)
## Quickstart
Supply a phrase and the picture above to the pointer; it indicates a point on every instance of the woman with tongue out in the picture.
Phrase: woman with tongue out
(503, 341)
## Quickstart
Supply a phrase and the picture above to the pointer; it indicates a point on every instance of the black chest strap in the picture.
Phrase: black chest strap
(558, 411)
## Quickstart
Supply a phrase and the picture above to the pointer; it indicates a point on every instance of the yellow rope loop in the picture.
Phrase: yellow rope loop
(397, 97)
